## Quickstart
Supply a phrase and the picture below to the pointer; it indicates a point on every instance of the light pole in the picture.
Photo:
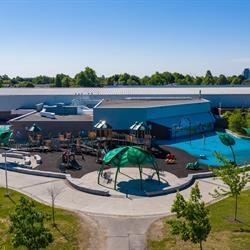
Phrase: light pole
(6, 176)
(6, 173)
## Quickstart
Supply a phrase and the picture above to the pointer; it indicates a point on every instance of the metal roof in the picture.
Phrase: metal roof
(36, 117)
(126, 91)
(145, 103)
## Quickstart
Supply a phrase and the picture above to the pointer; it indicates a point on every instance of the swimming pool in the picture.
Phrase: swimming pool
(209, 144)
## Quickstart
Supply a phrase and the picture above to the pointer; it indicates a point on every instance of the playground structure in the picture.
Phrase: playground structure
(170, 159)
(96, 143)
(69, 161)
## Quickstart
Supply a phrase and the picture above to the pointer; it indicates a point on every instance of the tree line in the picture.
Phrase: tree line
(89, 78)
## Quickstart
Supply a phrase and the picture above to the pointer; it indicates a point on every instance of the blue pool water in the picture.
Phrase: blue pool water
(209, 145)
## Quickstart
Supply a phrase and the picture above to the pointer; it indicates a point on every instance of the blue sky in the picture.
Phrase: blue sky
(46, 37)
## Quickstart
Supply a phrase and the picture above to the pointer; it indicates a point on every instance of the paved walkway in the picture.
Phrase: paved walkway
(128, 182)
(124, 220)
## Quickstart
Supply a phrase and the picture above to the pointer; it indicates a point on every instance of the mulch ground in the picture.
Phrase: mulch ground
(52, 160)
(182, 158)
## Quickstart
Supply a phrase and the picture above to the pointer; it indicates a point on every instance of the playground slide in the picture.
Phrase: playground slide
(74, 164)
(161, 149)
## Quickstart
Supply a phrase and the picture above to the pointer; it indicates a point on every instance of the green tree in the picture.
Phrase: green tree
(192, 221)
(1, 83)
(222, 80)
(198, 80)
(66, 81)
(5, 77)
(42, 80)
(235, 80)
(157, 79)
(178, 77)
(123, 79)
(145, 80)
(189, 79)
(27, 226)
(234, 177)
(236, 121)
(26, 85)
(168, 77)
(87, 78)
(134, 80)
(58, 80)
(208, 79)
(113, 79)
(248, 119)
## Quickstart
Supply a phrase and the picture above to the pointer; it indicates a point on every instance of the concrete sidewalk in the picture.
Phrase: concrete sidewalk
(124, 220)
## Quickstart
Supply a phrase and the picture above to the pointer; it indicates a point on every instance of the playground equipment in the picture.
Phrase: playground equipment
(69, 161)
(103, 129)
(124, 156)
(140, 134)
(158, 151)
(193, 166)
(170, 159)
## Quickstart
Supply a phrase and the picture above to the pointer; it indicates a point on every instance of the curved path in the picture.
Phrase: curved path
(124, 220)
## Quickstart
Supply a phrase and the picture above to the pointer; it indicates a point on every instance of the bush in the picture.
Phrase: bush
(27, 226)
(248, 119)
(236, 121)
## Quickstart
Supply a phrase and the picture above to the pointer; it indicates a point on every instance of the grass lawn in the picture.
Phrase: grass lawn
(224, 234)
(70, 232)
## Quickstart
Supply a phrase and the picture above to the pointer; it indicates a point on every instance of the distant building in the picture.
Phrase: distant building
(54, 120)
(169, 118)
(246, 73)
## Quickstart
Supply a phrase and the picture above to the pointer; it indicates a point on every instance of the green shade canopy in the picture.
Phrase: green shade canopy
(5, 136)
(247, 130)
(129, 155)
(4, 129)
(229, 141)
(34, 128)
(226, 139)
(123, 156)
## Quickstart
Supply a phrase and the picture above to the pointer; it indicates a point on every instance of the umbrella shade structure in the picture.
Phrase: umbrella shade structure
(4, 129)
(229, 141)
(247, 130)
(5, 136)
(35, 129)
(226, 139)
(129, 155)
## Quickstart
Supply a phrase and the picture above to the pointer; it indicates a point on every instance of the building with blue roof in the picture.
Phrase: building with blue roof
(168, 118)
